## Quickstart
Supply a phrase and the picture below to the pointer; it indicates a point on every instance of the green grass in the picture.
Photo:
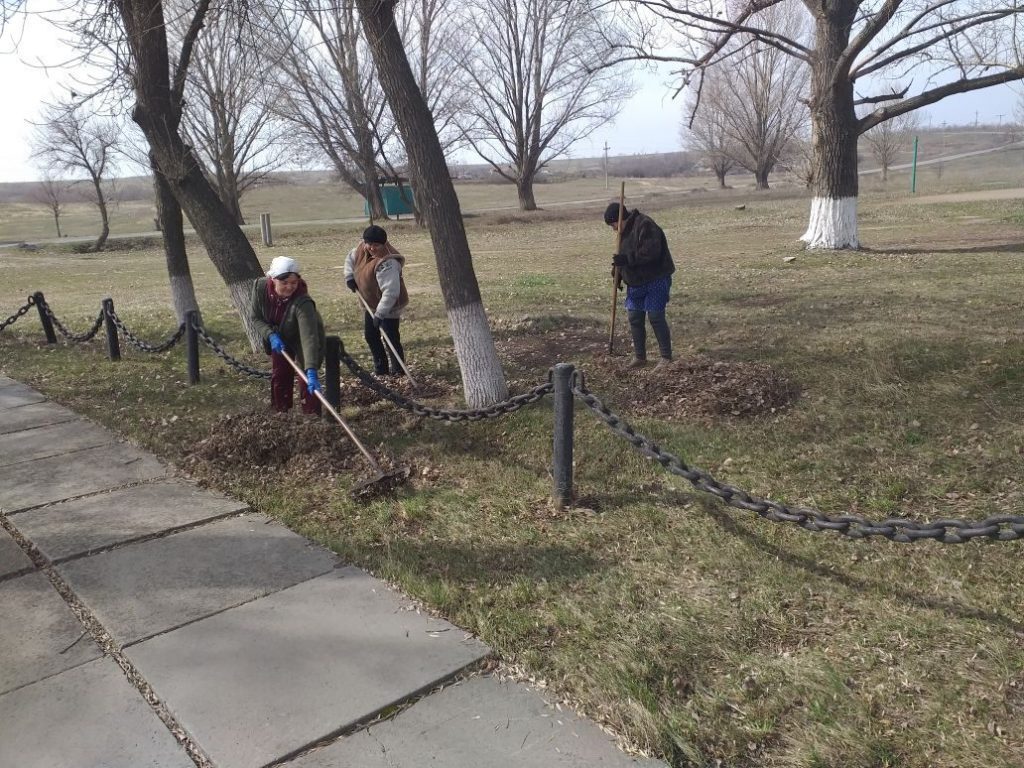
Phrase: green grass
(699, 632)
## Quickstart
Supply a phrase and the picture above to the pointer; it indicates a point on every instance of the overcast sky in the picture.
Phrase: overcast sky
(649, 122)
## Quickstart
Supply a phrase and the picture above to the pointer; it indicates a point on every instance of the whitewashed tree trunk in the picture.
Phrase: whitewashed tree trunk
(241, 298)
(482, 377)
(834, 132)
(474, 348)
(833, 223)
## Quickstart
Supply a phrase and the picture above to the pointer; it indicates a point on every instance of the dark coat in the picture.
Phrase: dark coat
(301, 329)
(646, 250)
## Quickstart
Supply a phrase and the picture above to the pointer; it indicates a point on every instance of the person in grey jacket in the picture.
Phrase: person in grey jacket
(288, 321)
(374, 270)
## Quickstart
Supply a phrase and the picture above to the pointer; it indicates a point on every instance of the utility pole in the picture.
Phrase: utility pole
(1000, 121)
(606, 165)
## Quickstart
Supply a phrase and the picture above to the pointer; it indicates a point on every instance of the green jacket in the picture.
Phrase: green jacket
(301, 330)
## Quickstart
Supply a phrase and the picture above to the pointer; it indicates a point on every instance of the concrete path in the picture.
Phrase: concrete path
(149, 623)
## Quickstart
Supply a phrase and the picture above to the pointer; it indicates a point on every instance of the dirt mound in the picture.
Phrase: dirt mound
(262, 439)
(354, 392)
(702, 387)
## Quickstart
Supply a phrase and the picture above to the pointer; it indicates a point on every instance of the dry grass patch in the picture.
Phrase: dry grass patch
(703, 634)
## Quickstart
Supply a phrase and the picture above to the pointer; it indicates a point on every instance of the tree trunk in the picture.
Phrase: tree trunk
(833, 221)
(482, 378)
(56, 222)
(158, 114)
(101, 203)
(372, 192)
(761, 178)
(172, 228)
(524, 186)
(720, 175)
(885, 171)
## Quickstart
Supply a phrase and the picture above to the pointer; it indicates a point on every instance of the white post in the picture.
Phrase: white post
(268, 240)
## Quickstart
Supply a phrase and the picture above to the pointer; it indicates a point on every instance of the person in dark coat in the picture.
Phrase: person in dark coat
(287, 319)
(645, 266)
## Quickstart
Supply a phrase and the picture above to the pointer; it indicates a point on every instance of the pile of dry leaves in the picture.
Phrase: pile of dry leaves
(700, 387)
(262, 439)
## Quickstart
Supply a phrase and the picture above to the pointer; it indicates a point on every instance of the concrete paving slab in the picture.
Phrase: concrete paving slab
(15, 394)
(81, 526)
(479, 722)
(38, 633)
(54, 440)
(87, 717)
(12, 559)
(34, 415)
(144, 589)
(259, 682)
(61, 477)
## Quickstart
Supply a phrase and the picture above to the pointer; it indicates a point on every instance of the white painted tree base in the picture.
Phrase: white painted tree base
(833, 224)
(483, 381)
(183, 296)
(241, 299)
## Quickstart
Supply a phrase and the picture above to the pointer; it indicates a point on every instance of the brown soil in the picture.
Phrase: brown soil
(697, 386)
(702, 387)
(353, 392)
(261, 439)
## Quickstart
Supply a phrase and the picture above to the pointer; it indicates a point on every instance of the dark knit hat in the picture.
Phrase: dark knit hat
(375, 234)
(611, 213)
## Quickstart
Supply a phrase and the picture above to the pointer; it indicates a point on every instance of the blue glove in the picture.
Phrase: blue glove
(376, 322)
(351, 283)
(619, 260)
(276, 345)
(312, 381)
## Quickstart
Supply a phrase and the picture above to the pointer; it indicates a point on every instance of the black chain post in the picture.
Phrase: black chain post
(51, 337)
(192, 345)
(113, 347)
(561, 465)
(332, 371)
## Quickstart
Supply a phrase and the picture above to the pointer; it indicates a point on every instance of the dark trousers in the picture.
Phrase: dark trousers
(282, 388)
(378, 348)
(638, 328)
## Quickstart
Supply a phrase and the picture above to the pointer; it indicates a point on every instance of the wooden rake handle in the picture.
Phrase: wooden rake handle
(337, 417)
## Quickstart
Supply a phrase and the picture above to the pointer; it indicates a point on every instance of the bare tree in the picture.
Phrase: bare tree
(541, 83)
(326, 89)
(886, 140)
(764, 95)
(482, 378)
(53, 193)
(1019, 109)
(951, 47)
(705, 130)
(226, 117)
(135, 32)
(799, 160)
(431, 29)
(67, 140)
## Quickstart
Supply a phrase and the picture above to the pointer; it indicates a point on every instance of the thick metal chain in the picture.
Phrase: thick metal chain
(145, 346)
(76, 337)
(477, 414)
(1001, 527)
(238, 365)
(20, 313)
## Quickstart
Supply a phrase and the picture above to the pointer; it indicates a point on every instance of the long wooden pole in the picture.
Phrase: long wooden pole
(615, 270)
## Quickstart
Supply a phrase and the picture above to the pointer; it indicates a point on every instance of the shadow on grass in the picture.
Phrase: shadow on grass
(865, 585)
(496, 563)
(1017, 247)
